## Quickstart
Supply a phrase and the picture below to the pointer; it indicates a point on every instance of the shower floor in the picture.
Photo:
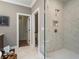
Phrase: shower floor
(63, 54)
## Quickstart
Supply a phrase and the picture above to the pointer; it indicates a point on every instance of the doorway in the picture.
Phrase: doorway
(36, 29)
(23, 30)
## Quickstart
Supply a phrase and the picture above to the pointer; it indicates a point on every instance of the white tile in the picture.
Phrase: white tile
(27, 53)
(63, 54)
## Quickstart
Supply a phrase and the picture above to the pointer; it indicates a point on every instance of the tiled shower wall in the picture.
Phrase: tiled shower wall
(54, 41)
(68, 26)
(71, 25)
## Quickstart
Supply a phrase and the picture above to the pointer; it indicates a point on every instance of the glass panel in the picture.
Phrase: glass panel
(61, 29)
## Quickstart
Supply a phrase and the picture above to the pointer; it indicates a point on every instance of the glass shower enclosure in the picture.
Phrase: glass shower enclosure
(61, 29)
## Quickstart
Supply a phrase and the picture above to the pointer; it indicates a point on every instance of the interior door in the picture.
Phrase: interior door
(23, 31)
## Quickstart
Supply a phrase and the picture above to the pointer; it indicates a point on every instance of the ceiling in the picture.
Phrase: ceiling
(27, 3)
(30, 3)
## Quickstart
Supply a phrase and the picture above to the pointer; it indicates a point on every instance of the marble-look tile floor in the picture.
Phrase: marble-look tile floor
(63, 54)
(27, 53)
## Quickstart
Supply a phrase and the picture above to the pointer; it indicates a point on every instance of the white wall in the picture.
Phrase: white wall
(71, 25)
(54, 41)
(10, 31)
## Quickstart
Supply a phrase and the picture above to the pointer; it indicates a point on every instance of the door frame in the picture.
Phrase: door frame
(33, 25)
(18, 27)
